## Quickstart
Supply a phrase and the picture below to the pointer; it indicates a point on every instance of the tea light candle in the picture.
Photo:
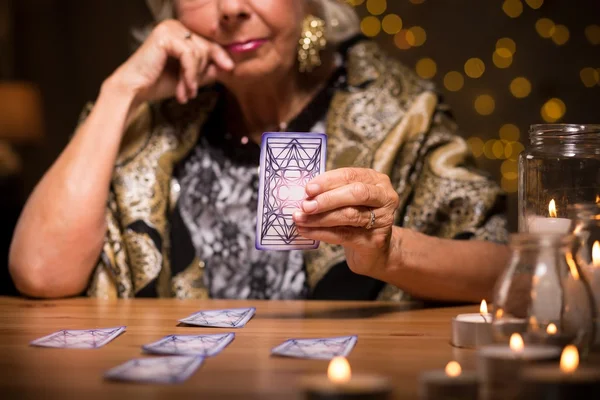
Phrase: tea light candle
(549, 225)
(449, 384)
(340, 384)
(472, 330)
(566, 382)
(500, 366)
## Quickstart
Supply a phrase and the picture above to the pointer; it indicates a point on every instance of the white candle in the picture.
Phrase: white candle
(472, 330)
(567, 382)
(500, 366)
(553, 224)
(451, 383)
(341, 384)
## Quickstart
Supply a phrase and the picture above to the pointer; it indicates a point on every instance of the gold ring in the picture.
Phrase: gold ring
(372, 221)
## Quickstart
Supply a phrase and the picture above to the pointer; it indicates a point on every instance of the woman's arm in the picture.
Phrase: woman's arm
(60, 233)
(444, 269)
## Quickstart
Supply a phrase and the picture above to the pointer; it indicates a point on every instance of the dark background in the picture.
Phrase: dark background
(67, 48)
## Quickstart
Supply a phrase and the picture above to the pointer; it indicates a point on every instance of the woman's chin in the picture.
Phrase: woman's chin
(253, 71)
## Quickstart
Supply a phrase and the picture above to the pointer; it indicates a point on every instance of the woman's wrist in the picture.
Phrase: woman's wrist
(116, 89)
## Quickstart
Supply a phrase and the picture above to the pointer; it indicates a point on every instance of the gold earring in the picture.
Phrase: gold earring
(312, 42)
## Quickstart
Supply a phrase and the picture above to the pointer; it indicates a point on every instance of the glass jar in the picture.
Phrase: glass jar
(587, 231)
(543, 295)
(559, 168)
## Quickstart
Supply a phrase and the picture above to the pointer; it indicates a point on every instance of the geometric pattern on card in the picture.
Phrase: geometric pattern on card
(79, 338)
(322, 349)
(288, 162)
(192, 345)
(172, 369)
(229, 318)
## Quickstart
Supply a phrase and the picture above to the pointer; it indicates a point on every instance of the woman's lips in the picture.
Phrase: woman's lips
(243, 47)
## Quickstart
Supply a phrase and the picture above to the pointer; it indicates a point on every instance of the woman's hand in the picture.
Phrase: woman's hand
(150, 74)
(353, 207)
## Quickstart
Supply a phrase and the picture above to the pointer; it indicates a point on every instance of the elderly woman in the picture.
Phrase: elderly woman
(156, 194)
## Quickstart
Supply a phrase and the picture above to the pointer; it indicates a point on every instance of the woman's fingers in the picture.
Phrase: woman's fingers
(359, 217)
(354, 194)
(340, 177)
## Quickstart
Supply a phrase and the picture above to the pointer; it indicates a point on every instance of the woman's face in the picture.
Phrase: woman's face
(260, 35)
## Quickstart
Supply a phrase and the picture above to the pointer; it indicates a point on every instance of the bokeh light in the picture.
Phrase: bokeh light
(509, 169)
(376, 7)
(370, 26)
(416, 36)
(476, 146)
(535, 4)
(520, 87)
(506, 47)
(498, 149)
(454, 81)
(510, 133)
(545, 27)
(485, 104)
(553, 110)
(401, 41)
(515, 149)
(512, 8)
(500, 61)
(391, 24)
(592, 33)
(589, 76)
(474, 67)
(426, 68)
(509, 185)
(488, 149)
(561, 35)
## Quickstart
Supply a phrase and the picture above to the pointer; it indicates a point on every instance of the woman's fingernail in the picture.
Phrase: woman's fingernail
(312, 189)
(309, 206)
(299, 216)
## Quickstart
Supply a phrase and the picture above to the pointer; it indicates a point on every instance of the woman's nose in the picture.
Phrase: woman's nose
(233, 12)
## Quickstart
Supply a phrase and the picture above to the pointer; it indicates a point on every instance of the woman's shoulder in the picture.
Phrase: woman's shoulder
(369, 66)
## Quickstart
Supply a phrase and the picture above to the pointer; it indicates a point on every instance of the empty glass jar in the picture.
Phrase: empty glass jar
(542, 294)
(559, 168)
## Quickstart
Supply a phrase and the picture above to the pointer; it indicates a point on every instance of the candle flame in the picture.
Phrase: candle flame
(534, 323)
(339, 370)
(552, 209)
(516, 343)
(569, 359)
(483, 307)
(596, 254)
(598, 199)
(572, 265)
(499, 313)
(551, 329)
(453, 369)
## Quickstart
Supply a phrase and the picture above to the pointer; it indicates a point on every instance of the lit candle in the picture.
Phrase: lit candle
(553, 224)
(595, 284)
(341, 384)
(450, 384)
(472, 330)
(500, 366)
(568, 381)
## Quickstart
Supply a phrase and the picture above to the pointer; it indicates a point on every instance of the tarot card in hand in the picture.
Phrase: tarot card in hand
(79, 338)
(228, 318)
(171, 369)
(321, 348)
(288, 161)
(191, 345)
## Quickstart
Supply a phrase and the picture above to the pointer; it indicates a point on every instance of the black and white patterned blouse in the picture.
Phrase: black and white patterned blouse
(218, 206)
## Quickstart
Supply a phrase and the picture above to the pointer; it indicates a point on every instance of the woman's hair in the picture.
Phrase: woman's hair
(341, 21)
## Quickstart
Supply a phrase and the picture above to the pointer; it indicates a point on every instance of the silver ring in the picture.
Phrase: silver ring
(188, 35)
(372, 221)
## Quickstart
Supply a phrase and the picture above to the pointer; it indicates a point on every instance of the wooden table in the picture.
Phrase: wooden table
(394, 340)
